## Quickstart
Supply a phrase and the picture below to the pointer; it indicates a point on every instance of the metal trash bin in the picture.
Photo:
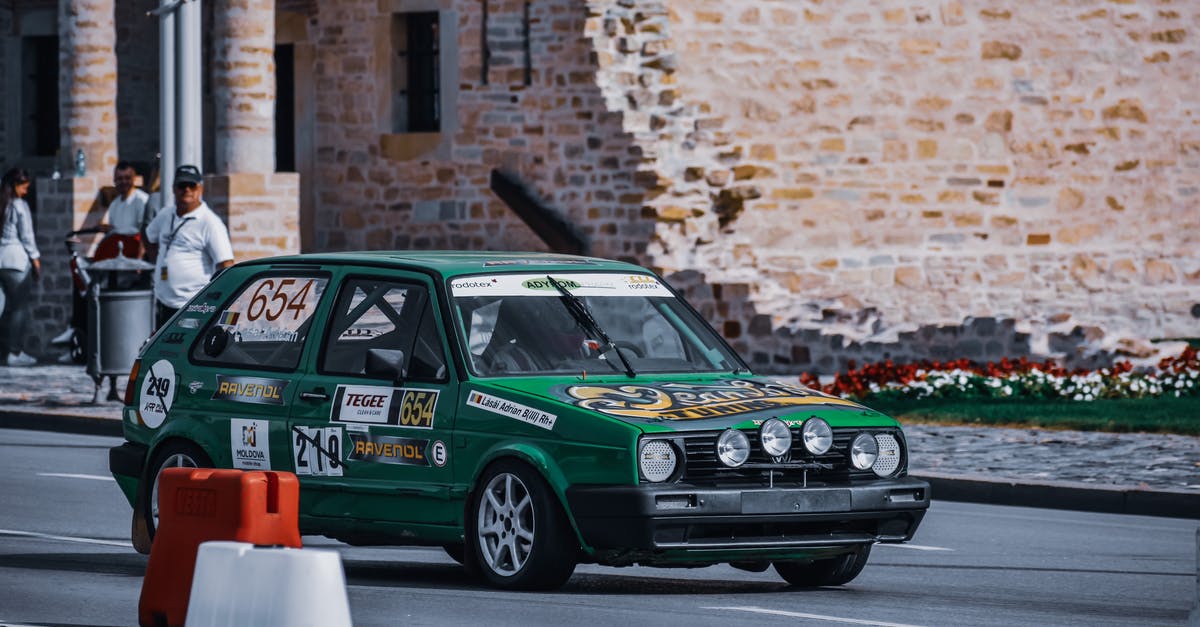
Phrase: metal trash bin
(118, 320)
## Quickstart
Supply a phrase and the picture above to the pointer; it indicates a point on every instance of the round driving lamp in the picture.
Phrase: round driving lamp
(733, 448)
(817, 436)
(864, 451)
(776, 437)
(657, 460)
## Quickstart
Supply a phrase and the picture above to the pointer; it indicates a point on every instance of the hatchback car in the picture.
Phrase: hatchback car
(525, 411)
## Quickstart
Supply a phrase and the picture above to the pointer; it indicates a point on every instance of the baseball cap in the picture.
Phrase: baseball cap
(188, 174)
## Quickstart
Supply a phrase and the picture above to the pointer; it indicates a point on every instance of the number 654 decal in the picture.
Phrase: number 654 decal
(317, 451)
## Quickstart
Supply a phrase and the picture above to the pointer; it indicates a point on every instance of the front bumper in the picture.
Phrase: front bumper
(691, 522)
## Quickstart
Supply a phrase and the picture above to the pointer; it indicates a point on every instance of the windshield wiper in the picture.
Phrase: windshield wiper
(583, 316)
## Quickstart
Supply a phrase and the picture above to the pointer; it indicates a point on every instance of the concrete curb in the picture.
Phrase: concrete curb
(67, 423)
(1084, 497)
(967, 488)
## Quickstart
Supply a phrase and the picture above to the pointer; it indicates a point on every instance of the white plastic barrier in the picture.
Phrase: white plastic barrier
(236, 583)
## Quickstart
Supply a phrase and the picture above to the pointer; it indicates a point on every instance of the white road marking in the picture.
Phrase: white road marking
(835, 619)
(75, 476)
(46, 536)
(917, 547)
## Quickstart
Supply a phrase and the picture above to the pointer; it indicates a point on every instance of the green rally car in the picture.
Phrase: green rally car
(526, 411)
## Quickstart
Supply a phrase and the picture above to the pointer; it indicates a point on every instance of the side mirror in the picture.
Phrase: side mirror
(385, 364)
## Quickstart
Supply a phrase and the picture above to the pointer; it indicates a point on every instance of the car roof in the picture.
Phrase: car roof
(451, 263)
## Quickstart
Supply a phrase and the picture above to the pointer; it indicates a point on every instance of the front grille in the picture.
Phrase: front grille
(703, 468)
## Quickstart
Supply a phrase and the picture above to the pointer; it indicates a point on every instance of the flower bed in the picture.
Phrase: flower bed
(1020, 378)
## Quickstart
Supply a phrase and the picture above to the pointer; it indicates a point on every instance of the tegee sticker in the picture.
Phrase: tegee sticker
(158, 392)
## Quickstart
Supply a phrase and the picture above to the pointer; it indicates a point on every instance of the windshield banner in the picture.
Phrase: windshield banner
(579, 284)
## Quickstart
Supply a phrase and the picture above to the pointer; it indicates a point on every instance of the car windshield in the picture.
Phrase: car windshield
(522, 324)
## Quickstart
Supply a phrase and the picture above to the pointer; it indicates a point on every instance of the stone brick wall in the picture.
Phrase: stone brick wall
(137, 95)
(262, 212)
(379, 190)
(875, 172)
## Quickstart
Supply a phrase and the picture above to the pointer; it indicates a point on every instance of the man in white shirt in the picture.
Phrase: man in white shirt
(127, 213)
(190, 242)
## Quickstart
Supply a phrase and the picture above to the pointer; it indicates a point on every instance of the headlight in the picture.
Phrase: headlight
(776, 437)
(733, 448)
(889, 455)
(817, 436)
(657, 460)
(864, 451)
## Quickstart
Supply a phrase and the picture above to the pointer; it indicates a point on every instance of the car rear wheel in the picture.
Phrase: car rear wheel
(825, 572)
(177, 454)
(519, 537)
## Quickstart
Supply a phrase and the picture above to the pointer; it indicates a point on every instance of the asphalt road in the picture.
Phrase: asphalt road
(65, 561)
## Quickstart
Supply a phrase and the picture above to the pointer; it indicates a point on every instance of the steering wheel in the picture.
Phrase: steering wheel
(513, 358)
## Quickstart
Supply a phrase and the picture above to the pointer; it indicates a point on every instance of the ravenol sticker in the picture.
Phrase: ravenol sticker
(250, 390)
(371, 404)
(387, 449)
(250, 443)
(317, 451)
(158, 392)
(692, 401)
(497, 405)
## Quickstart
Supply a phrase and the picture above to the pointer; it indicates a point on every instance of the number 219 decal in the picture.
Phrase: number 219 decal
(317, 451)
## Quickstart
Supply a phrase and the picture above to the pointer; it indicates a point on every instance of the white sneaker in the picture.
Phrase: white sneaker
(64, 337)
(20, 359)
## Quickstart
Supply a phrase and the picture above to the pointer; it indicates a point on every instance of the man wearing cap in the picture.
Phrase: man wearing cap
(190, 242)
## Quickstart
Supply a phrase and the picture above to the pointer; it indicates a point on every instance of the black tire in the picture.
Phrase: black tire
(175, 453)
(455, 551)
(526, 545)
(834, 571)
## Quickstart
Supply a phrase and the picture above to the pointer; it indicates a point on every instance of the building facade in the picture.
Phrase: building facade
(826, 181)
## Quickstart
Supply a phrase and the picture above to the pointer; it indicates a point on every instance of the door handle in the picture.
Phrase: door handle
(315, 395)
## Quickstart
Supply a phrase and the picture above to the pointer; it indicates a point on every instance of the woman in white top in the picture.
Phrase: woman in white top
(20, 266)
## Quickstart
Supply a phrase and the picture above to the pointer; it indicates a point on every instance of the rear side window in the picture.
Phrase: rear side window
(388, 321)
(265, 325)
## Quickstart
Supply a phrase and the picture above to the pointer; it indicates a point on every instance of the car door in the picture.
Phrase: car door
(243, 367)
(372, 421)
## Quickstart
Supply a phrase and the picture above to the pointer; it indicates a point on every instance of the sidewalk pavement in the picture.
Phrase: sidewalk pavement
(1126, 473)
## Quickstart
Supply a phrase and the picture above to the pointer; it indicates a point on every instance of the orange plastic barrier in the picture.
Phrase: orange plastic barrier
(201, 504)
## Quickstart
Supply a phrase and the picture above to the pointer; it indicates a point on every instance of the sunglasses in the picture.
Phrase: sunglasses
(183, 186)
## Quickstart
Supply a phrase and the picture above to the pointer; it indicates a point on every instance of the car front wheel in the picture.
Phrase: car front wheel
(825, 572)
(519, 537)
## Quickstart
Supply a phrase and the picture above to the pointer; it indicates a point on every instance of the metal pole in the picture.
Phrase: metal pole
(166, 99)
(189, 149)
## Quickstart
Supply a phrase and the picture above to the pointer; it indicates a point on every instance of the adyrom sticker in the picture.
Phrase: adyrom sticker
(249, 440)
(158, 392)
(497, 405)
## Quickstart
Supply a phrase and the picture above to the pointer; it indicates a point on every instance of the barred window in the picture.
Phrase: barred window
(416, 69)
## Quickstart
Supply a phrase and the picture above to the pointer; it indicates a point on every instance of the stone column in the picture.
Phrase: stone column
(261, 206)
(87, 83)
(244, 85)
(87, 86)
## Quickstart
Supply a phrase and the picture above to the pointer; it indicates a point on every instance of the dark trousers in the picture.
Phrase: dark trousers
(16, 286)
(162, 314)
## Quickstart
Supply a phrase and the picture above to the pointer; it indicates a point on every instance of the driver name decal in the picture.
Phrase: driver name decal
(692, 401)
(497, 405)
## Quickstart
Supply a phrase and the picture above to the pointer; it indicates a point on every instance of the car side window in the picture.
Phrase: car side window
(265, 325)
(379, 325)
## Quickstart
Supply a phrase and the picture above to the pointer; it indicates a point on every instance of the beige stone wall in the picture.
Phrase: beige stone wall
(872, 168)
(378, 190)
(262, 211)
(828, 180)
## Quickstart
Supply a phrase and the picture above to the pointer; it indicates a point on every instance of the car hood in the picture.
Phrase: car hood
(690, 403)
